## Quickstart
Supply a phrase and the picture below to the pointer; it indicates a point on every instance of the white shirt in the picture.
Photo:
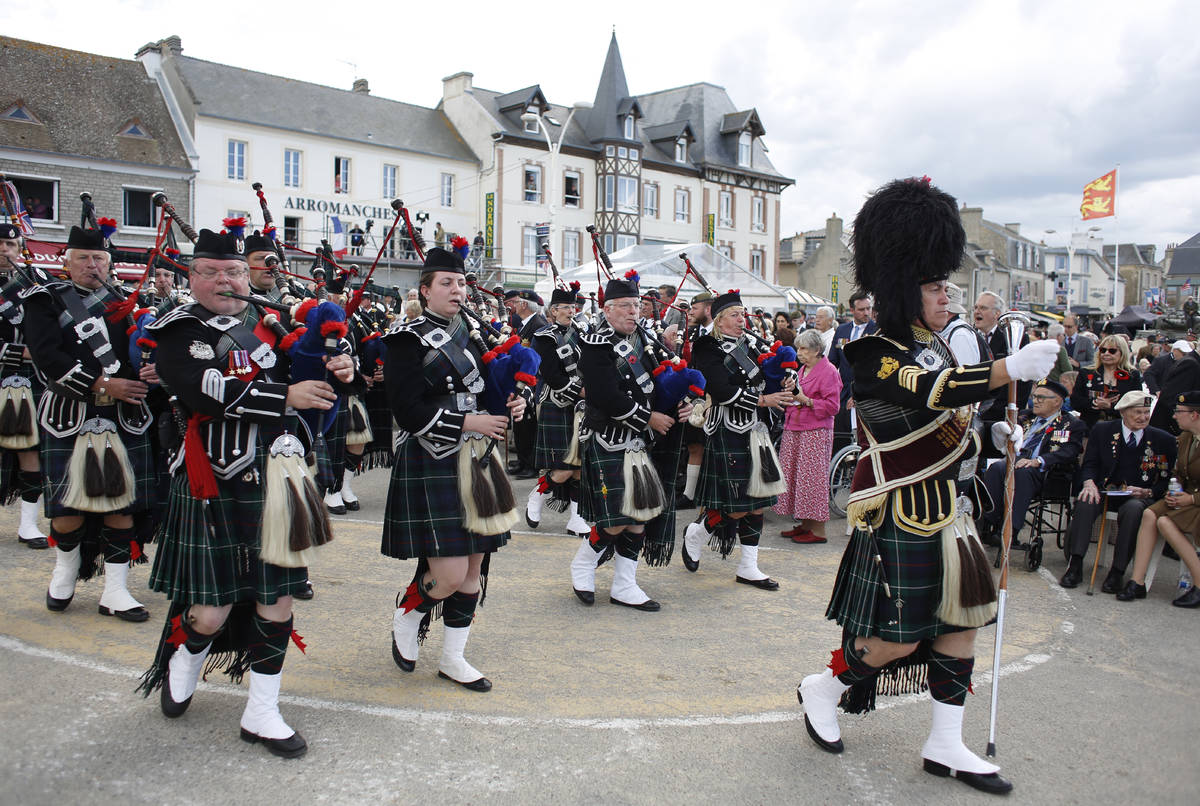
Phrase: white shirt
(1125, 432)
(827, 338)
(960, 336)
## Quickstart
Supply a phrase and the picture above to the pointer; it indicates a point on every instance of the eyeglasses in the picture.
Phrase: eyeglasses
(1109, 349)
(1045, 397)
(623, 306)
(212, 274)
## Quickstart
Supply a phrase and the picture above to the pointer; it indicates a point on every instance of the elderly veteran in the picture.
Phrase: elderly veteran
(1177, 516)
(1129, 460)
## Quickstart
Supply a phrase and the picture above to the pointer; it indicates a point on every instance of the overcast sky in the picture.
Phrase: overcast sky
(1011, 106)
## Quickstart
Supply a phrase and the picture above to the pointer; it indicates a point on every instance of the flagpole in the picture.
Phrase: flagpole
(1116, 234)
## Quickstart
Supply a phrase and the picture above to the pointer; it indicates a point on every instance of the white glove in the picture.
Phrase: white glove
(1033, 361)
(1002, 432)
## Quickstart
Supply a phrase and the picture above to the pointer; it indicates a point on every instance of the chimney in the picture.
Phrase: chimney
(457, 84)
(833, 228)
(972, 220)
(360, 86)
(1015, 229)
(173, 45)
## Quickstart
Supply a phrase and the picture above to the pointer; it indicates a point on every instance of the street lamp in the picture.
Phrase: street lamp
(531, 115)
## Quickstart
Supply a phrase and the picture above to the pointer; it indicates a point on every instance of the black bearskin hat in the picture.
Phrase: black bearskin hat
(907, 233)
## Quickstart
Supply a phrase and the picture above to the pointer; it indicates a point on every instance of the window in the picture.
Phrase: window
(447, 190)
(138, 210)
(633, 154)
(291, 229)
(570, 250)
(681, 150)
(20, 112)
(237, 214)
(1060, 262)
(756, 262)
(629, 127)
(726, 250)
(745, 148)
(291, 168)
(40, 196)
(725, 215)
(533, 184)
(622, 152)
(650, 200)
(134, 128)
(624, 241)
(627, 194)
(757, 220)
(571, 192)
(682, 205)
(607, 200)
(389, 181)
(531, 126)
(341, 174)
(609, 151)
(529, 247)
(608, 243)
(235, 167)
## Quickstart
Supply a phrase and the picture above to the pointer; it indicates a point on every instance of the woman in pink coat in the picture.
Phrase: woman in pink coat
(808, 442)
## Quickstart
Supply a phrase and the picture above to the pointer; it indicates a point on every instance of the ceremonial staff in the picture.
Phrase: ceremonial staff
(1015, 322)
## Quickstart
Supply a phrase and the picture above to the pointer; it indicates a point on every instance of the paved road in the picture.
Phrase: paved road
(1099, 700)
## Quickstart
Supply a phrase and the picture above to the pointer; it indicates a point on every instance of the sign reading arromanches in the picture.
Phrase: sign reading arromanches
(339, 208)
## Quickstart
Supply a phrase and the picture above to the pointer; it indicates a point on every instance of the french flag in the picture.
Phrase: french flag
(339, 237)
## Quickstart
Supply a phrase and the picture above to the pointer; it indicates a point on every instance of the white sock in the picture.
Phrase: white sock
(692, 478)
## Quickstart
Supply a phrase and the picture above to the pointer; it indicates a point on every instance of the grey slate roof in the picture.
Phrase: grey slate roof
(83, 100)
(1132, 254)
(612, 99)
(247, 96)
(1186, 260)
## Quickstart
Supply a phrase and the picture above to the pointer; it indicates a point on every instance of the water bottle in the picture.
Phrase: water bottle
(1174, 487)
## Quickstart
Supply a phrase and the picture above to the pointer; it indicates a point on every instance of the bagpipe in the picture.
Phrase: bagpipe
(282, 269)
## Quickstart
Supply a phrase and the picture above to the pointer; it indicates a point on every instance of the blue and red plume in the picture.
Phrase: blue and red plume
(235, 226)
(269, 232)
(461, 246)
(575, 286)
(632, 276)
(108, 226)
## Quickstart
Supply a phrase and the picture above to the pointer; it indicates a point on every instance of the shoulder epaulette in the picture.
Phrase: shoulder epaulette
(595, 339)
(174, 315)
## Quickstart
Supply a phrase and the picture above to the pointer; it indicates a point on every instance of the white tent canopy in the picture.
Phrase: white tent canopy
(659, 264)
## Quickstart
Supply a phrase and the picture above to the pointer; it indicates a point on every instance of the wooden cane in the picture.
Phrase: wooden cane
(1091, 590)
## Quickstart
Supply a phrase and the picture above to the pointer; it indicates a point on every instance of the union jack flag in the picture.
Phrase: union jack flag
(12, 200)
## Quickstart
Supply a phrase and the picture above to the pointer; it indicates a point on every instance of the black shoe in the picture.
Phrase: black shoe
(1189, 599)
(304, 593)
(35, 542)
(650, 606)
(1113, 582)
(482, 684)
(688, 562)
(1132, 591)
(404, 663)
(135, 614)
(57, 605)
(527, 473)
(767, 584)
(170, 708)
(1074, 574)
(332, 511)
(587, 597)
(532, 523)
(293, 746)
(683, 502)
(352, 506)
(828, 747)
(991, 782)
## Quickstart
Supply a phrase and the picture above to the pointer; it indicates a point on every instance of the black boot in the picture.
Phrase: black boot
(1074, 573)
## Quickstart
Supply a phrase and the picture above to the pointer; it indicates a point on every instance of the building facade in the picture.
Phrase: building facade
(819, 261)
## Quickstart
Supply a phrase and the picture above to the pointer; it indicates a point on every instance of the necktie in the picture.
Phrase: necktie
(1035, 433)
(1133, 441)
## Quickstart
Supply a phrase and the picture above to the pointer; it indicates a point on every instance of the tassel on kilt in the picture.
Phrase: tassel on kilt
(359, 431)
(968, 590)
(100, 478)
(294, 516)
(489, 506)
(18, 429)
(643, 496)
(907, 675)
(230, 653)
(572, 456)
(766, 479)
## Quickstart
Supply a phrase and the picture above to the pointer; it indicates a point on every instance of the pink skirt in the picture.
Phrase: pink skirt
(805, 456)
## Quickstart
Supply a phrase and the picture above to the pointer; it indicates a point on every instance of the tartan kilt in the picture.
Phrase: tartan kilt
(10, 484)
(602, 483)
(55, 455)
(335, 445)
(725, 472)
(378, 452)
(913, 565)
(553, 437)
(660, 530)
(219, 565)
(424, 514)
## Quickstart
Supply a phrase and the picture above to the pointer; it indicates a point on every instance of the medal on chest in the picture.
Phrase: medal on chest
(239, 363)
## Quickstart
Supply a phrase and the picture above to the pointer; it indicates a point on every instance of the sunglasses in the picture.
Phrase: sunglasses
(1110, 349)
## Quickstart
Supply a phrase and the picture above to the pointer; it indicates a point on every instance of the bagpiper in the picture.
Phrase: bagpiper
(556, 450)
(98, 466)
(20, 390)
(914, 583)
(621, 487)
(244, 513)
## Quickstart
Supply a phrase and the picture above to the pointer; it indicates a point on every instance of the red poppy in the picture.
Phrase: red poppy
(1121, 375)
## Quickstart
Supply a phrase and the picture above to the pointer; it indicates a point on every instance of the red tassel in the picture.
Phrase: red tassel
(116, 311)
(298, 640)
(177, 636)
(135, 551)
(837, 664)
(412, 598)
(201, 481)
(147, 344)
(789, 365)
(543, 484)
(50, 539)
(594, 537)
(970, 688)
(354, 301)
(712, 518)
(775, 347)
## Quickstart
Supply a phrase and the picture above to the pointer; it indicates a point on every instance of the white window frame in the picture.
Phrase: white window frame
(629, 130)
(447, 190)
(622, 152)
(54, 183)
(650, 199)
(609, 199)
(291, 173)
(298, 229)
(758, 220)
(125, 190)
(683, 205)
(681, 150)
(570, 249)
(235, 161)
(756, 262)
(726, 250)
(342, 166)
(725, 208)
(390, 178)
(609, 151)
(531, 126)
(633, 154)
(535, 171)
(623, 241)
(530, 247)
(576, 199)
(745, 152)
(627, 194)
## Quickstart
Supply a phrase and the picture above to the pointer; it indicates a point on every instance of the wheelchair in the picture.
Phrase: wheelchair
(841, 474)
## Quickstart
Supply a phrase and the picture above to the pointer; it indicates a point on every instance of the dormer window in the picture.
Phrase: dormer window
(19, 112)
(681, 149)
(134, 128)
(629, 127)
(745, 148)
